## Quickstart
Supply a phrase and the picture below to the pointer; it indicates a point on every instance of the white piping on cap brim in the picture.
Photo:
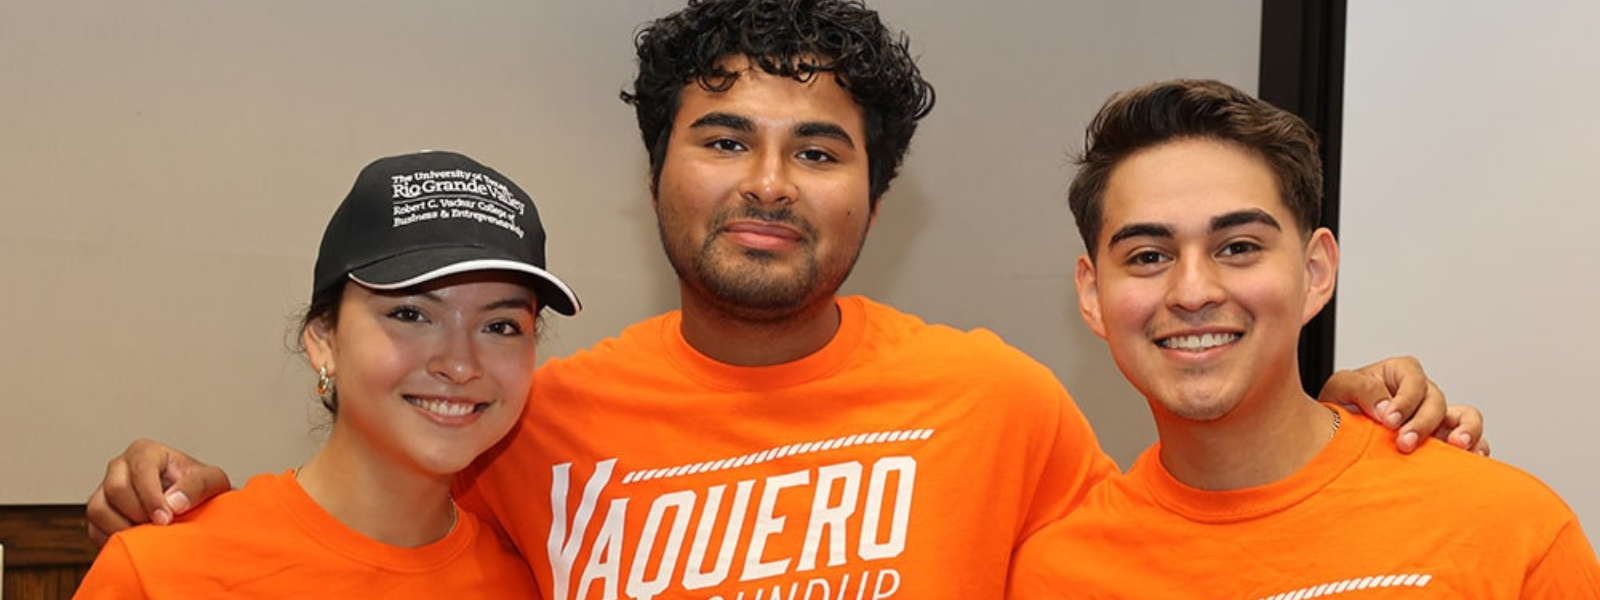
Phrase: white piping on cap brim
(487, 264)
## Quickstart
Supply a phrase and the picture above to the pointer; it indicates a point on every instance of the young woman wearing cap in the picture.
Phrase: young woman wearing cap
(422, 333)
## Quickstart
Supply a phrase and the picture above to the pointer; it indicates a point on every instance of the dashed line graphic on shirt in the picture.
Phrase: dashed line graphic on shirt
(1351, 585)
(859, 439)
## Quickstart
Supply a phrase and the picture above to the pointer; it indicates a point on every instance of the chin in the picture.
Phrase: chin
(1198, 414)
(449, 461)
(1197, 405)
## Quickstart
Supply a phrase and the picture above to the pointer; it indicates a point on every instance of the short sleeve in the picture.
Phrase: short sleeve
(1568, 570)
(113, 575)
(1075, 465)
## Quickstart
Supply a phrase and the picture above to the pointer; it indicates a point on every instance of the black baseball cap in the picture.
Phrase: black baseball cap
(417, 217)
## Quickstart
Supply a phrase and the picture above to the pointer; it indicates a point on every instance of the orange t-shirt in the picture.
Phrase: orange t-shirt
(271, 540)
(1359, 521)
(902, 460)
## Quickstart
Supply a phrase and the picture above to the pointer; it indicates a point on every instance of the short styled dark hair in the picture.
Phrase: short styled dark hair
(789, 38)
(1178, 109)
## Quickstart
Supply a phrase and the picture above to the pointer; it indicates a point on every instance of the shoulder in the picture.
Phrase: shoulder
(643, 338)
(1470, 491)
(1118, 499)
(909, 334)
(218, 520)
(972, 368)
(1094, 537)
(1487, 478)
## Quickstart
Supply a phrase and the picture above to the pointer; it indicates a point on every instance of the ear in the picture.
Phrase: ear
(872, 215)
(1089, 295)
(654, 177)
(1322, 272)
(317, 338)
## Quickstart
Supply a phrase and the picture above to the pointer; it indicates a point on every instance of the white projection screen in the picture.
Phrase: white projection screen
(1468, 215)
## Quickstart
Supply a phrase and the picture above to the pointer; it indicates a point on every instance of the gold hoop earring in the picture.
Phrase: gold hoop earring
(324, 382)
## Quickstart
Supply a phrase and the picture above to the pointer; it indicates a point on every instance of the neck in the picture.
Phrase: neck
(757, 340)
(380, 500)
(1256, 444)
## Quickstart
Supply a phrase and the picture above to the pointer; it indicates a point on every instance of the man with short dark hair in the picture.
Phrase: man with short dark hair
(1199, 209)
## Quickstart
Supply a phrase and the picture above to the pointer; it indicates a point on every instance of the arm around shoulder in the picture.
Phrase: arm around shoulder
(135, 489)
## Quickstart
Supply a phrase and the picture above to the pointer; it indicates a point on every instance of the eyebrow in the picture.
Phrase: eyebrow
(1218, 223)
(723, 120)
(513, 303)
(1244, 217)
(827, 130)
(1140, 230)
(744, 124)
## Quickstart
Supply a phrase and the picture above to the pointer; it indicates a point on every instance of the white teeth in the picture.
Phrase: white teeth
(1199, 342)
(443, 408)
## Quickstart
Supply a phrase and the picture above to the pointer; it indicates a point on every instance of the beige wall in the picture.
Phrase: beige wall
(168, 166)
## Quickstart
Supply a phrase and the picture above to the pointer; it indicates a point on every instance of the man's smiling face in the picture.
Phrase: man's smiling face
(1202, 280)
(763, 201)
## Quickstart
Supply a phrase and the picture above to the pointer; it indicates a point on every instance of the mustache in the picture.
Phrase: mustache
(783, 216)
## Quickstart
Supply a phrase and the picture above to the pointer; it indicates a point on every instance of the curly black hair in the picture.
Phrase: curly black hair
(789, 38)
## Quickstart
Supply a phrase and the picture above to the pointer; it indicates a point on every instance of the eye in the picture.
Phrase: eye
(506, 328)
(725, 145)
(815, 155)
(1239, 248)
(1147, 257)
(409, 314)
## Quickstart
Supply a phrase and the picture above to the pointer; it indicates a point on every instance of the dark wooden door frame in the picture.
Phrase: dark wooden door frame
(1302, 70)
(47, 551)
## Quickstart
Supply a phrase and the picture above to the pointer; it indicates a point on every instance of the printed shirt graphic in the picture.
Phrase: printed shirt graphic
(1360, 521)
(901, 461)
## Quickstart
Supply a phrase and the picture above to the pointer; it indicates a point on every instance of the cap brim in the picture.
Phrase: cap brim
(414, 268)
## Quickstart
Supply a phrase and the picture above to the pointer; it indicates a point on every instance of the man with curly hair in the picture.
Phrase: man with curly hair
(772, 439)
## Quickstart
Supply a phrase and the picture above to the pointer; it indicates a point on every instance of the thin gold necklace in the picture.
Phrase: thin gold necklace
(454, 516)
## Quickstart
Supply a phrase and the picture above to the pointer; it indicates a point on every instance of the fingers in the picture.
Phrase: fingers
(1463, 428)
(115, 505)
(194, 483)
(1482, 447)
(1361, 390)
(1394, 392)
(103, 519)
(97, 537)
(144, 500)
(1397, 393)
(1428, 419)
(149, 483)
(1415, 401)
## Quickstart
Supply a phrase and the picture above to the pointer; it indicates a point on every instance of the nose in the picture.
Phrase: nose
(770, 180)
(456, 358)
(1194, 285)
